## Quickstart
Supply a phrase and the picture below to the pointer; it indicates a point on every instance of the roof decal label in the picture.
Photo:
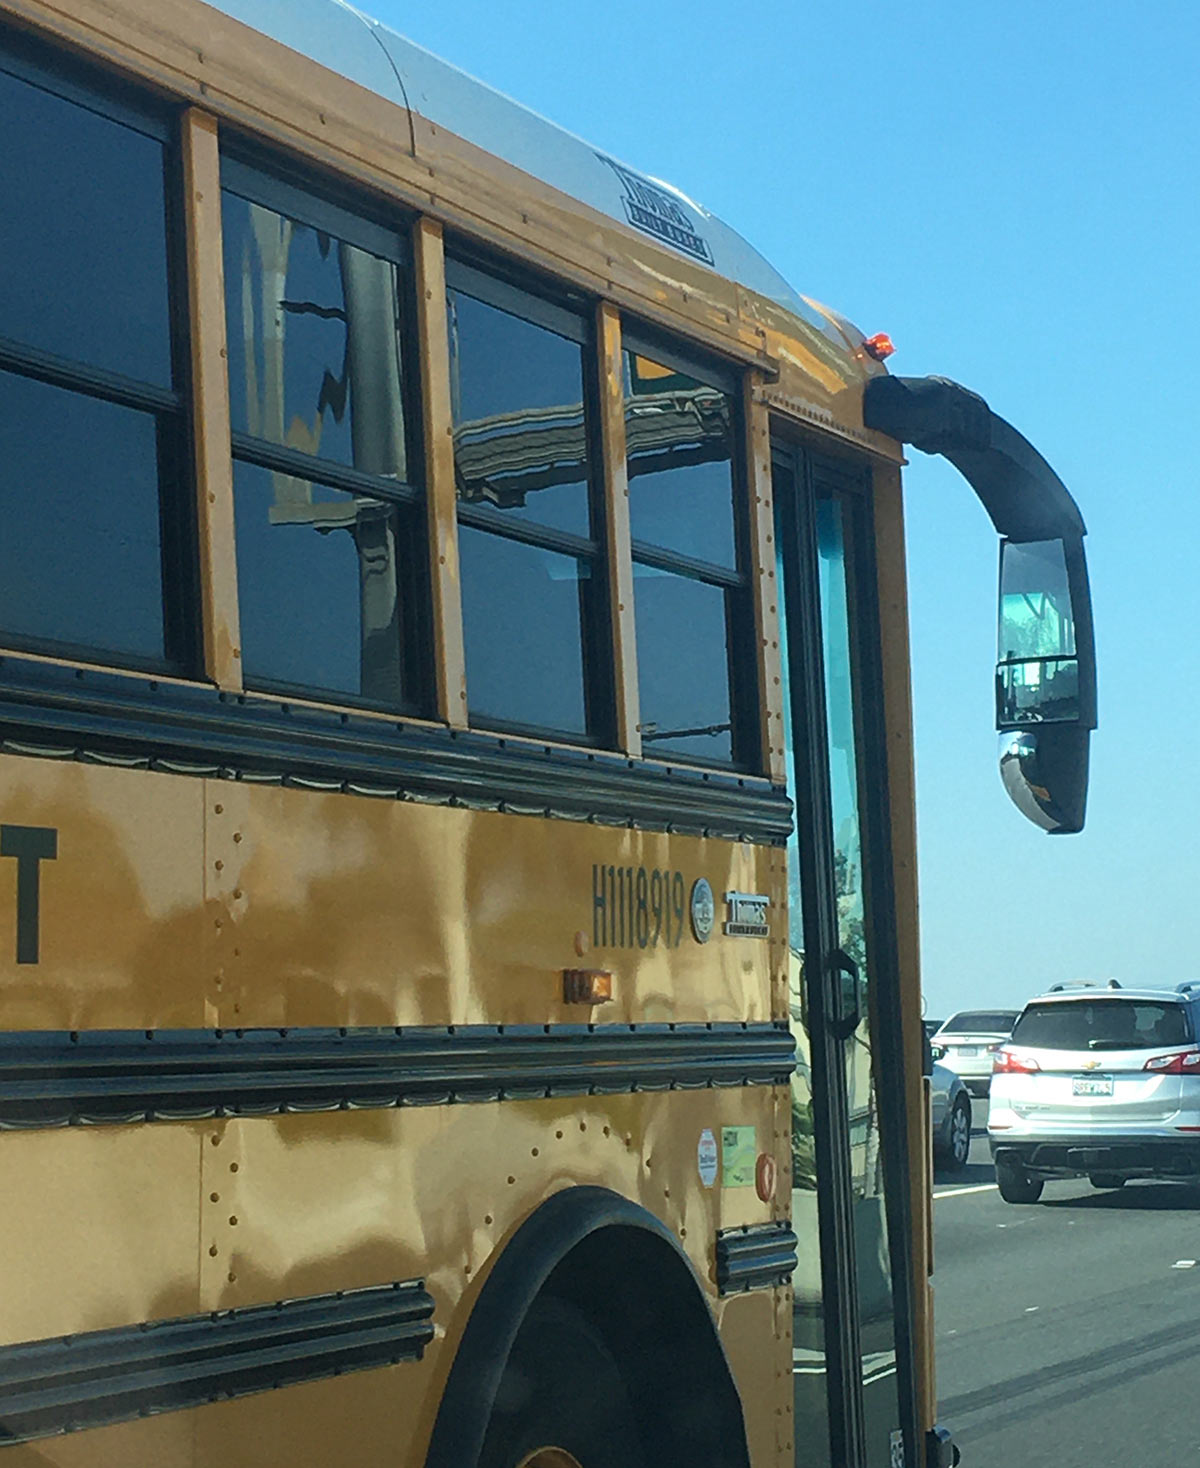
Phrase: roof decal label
(655, 211)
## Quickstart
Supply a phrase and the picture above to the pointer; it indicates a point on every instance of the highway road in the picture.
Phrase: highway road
(1068, 1331)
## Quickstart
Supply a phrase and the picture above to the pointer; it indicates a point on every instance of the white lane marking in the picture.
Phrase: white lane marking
(959, 1192)
(1032, 1309)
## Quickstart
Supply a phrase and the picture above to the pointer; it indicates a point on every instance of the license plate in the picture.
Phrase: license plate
(966, 1049)
(1092, 1086)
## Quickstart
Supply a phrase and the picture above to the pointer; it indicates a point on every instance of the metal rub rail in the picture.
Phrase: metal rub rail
(67, 1383)
(62, 1078)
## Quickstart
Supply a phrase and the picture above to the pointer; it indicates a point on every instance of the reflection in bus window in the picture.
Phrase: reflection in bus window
(679, 437)
(314, 341)
(326, 575)
(532, 582)
(520, 441)
(320, 606)
(686, 566)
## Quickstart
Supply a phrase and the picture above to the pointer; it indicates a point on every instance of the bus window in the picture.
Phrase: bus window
(90, 422)
(532, 571)
(328, 575)
(687, 564)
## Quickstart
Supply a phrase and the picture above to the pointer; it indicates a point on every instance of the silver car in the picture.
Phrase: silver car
(966, 1043)
(951, 1107)
(1098, 1083)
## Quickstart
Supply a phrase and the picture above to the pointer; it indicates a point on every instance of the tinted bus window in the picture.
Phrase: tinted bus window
(329, 540)
(93, 561)
(532, 570)
(689, 581)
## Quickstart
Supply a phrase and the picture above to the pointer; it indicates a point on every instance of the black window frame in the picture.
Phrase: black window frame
(737, 583)
(96, 91)
(296, 192)
(555, 308)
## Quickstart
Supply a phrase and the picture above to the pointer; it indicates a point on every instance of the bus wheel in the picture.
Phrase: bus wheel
(1015, 1184)
(562, 1401)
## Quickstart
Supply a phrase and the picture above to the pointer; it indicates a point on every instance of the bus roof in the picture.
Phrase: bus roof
(347, 41)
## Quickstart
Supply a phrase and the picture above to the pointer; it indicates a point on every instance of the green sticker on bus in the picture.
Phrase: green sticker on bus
(739, 1150)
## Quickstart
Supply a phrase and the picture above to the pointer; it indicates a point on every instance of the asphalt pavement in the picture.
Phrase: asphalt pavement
(1067, 1331)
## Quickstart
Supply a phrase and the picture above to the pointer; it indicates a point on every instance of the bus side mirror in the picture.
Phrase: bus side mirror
(1046, 680)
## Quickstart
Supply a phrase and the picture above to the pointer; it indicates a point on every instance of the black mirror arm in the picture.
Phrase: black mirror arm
(1022, 494)
(1044, 767)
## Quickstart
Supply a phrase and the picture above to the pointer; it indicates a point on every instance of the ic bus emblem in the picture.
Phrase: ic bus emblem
(704, 910)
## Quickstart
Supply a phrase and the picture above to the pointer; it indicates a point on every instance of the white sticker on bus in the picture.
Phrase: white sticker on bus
(706, 1157)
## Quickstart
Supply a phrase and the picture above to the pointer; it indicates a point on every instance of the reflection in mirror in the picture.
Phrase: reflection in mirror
(1035, 601)
(1042, 691)
(1045, 680)
(1037, 676)
(1045, 772)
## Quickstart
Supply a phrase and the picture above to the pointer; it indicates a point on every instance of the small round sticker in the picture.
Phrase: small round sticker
(704, 910)
(706, 1157)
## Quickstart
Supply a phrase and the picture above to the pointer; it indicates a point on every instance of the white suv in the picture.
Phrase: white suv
(1098, 1083)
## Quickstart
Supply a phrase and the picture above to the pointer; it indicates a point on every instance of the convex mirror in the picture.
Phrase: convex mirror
(1045, 679)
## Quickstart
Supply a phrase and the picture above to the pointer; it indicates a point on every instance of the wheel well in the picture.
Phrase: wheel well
(620, 1267)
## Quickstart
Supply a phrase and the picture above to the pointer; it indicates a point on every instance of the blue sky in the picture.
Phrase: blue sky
(1010, 192)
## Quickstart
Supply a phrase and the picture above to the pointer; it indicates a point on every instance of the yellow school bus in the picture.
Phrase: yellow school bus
(458, 951)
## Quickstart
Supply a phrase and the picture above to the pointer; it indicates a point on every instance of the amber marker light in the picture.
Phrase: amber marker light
(587, 986)
(879, 346)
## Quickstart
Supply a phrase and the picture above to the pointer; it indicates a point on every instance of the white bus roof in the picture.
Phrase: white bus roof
(349, 42)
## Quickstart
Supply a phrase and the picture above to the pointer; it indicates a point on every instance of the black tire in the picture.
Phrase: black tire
(956, 1148)
(1106, 1180)
(1015, 1184)
(562, 1389)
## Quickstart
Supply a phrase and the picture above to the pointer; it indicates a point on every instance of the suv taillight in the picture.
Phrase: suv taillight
(1183, 1063)
(1008, 1062)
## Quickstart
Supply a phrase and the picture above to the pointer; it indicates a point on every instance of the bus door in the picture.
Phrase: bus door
(852, 1372)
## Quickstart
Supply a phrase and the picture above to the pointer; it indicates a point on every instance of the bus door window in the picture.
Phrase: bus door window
(846, 1388)
(810, 1373)
(835, 542)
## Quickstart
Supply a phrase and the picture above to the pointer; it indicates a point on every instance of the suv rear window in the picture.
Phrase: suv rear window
(1103, 1024)
(981, 1021)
